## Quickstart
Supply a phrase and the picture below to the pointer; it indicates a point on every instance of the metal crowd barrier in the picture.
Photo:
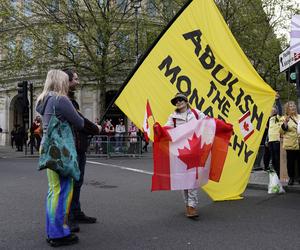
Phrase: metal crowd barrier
(109, 146)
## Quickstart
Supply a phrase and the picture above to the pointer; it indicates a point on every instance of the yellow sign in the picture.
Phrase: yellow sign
(197, 55)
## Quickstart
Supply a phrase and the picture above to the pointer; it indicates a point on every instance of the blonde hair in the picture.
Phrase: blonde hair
(286, 107)
(57, 81)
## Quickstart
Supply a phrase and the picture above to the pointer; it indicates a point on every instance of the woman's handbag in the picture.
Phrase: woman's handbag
(58, 151)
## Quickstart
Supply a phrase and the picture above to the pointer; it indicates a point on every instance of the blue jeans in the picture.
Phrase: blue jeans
(75, 204)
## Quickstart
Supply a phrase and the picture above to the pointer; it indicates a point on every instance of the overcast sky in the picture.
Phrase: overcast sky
(285, 29)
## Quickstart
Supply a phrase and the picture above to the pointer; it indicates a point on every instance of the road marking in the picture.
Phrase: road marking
(121, 167)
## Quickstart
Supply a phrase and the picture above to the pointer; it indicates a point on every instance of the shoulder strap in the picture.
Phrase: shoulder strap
(174, 122)
(195, 113)
(294, 120)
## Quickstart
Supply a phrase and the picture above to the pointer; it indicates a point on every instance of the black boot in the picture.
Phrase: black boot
(68, 240)
(291, 182)
(74, 227)
(82, 218)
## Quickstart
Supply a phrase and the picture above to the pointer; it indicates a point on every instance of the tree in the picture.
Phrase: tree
(255, 25)
(92, 36)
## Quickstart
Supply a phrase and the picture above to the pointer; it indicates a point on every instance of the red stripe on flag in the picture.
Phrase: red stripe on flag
(161, 179)
(247, 136)
(148, 109)
(244, 116)
(219, 149)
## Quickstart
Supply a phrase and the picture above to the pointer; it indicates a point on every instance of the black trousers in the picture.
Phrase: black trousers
(274, 148)
(267, 157)
(75, 204)
(293, 161)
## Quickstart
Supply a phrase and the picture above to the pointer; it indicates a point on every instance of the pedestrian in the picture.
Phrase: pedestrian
(37, 132)
(13, 136)
(146, 140)
(97, 139)
(183, 114)
(20, 138)
(110, 131)
(119, 134)
(265, 148)
(291, 139)
(54, 101)
(82, 143)
(133, 139)
(274, 134)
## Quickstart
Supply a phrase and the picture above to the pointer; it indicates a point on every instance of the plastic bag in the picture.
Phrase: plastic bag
(274, 186)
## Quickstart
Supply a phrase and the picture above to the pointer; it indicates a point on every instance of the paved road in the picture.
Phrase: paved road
(131, 217)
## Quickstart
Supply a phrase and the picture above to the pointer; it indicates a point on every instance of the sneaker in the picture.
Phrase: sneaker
(64, 241)
(82, 218)
(191, 212)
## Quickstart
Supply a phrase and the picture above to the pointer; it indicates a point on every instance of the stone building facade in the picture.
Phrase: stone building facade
(87, 95)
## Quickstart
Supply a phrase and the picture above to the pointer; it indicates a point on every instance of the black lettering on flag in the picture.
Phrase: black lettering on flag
(207, 59)
(257, 117)
(181, 81)
(166, 63)
(241, 146)
(223, 103)
(194, 96)
(195, 37)
(209, 111)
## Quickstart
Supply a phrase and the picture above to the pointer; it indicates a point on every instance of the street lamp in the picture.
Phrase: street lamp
(136, 4)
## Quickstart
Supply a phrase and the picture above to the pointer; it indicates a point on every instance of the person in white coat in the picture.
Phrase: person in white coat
(183, 114)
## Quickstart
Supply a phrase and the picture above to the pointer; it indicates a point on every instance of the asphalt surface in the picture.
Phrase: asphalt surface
(132, 217)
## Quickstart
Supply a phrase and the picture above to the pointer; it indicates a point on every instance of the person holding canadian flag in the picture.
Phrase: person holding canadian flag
(183, 114)
(188, 151)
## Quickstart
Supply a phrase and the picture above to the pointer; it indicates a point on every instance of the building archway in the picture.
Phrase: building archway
(114, 112)
(15, 113)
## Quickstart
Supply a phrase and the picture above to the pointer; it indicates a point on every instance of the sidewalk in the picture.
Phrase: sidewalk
(259, 179)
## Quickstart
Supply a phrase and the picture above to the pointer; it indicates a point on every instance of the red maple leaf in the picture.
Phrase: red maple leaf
(195, 156)
(246, 126)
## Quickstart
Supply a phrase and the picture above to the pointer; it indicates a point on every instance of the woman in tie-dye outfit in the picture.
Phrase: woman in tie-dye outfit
(60, 189)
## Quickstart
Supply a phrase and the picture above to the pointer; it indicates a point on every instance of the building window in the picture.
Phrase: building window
(151, 8)
(122, 4)
(27, 47)
(52, 44)
(100, 45)
(27, 8)
(54, 6)
(14, 3)
(71, 4)
(11, 48)
(123, 44)
(73, 43)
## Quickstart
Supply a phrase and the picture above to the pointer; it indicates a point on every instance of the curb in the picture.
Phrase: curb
(288, 189)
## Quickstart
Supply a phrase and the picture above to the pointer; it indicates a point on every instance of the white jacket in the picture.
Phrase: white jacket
(182, 118)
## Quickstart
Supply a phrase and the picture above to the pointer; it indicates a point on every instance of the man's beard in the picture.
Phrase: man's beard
(71, 93)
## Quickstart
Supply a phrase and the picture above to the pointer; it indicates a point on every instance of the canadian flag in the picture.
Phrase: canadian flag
(246, 126)
(187, 156)
(146, 128)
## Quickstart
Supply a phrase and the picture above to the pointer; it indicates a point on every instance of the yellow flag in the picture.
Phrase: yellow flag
(198, 56)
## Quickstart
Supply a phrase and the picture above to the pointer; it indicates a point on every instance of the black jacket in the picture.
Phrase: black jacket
(82, 137)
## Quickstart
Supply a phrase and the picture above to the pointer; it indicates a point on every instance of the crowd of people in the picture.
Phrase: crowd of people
(286, 125)
(119, 138)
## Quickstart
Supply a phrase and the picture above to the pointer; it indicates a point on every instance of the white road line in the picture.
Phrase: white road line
(121, 167)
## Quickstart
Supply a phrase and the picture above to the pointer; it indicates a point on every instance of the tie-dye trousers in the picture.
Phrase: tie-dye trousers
(60, 191)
